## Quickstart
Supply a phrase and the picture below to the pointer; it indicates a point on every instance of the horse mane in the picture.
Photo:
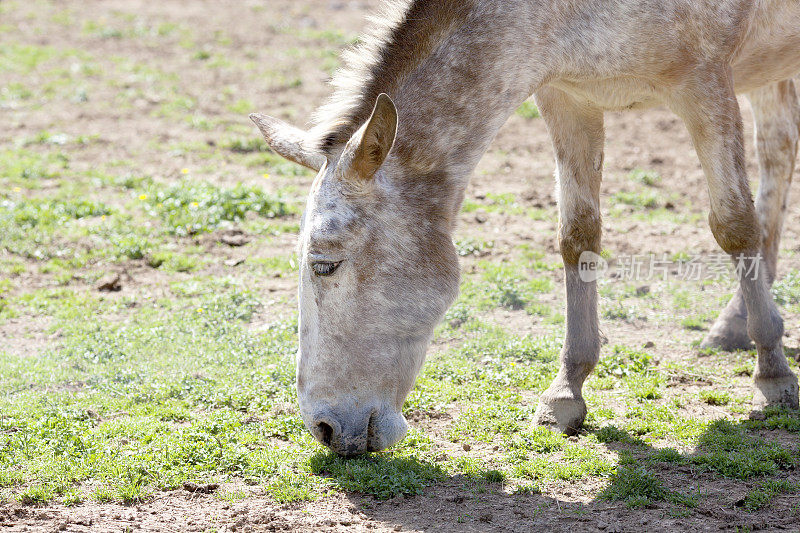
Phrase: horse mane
(402, 34)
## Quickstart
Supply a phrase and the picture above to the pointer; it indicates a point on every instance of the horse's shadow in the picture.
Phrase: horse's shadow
(741, 475)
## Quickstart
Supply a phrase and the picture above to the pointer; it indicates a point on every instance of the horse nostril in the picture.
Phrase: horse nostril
(325, 432)
(326, 429)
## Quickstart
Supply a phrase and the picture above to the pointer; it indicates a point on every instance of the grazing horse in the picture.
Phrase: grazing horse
(415, 106)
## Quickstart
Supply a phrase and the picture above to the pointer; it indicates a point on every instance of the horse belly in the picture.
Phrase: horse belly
(615, 94)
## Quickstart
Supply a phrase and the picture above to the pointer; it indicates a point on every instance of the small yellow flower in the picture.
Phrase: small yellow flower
(160, 205)
(199, 309)
(142, 197)
(103, 217)
(184, 171)
(17, 189)
(195, 204)
(266, 176)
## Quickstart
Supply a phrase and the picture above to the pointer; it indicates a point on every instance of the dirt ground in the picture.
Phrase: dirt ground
(444, 508)
(519, 161)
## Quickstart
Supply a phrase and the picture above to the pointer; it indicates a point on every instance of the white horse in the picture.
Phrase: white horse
(414, 109)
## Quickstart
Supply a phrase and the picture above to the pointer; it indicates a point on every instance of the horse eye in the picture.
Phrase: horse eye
(324, 268)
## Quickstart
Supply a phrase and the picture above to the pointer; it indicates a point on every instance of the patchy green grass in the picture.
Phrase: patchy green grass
(24, 167)
(189, 208)
(786, 289)
(731, 451)
(623, 361)
(621, 311)
(380, 475)
(639, 488)
(715, 397)
(27, 58)
(36, 213)
(471, 246)
(645, 177)
(644, 199)
(694, 323)
(510, 286)
(528, 110)
(765, 492)
(135, 424)
(503, 203)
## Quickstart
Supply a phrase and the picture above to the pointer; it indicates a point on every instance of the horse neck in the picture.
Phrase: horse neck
(452, 105)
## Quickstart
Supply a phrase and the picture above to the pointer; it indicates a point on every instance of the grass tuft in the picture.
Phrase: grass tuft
(380, 475)
(639, 488)
(762, 496)
(715, 397)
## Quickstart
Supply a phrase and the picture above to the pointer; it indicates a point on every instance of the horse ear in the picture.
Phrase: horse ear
(288, 141)
(367, 149)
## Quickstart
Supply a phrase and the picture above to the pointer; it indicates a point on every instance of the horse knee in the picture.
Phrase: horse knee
(579, 232)
(737, 229)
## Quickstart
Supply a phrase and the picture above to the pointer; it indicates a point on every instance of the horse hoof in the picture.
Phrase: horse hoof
(776, 392)
(565, 414)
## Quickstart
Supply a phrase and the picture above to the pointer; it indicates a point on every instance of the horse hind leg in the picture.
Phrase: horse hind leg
(777, 118)
(709, 108)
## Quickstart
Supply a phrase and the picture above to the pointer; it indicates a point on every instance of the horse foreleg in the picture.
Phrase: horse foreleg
(576, 130)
